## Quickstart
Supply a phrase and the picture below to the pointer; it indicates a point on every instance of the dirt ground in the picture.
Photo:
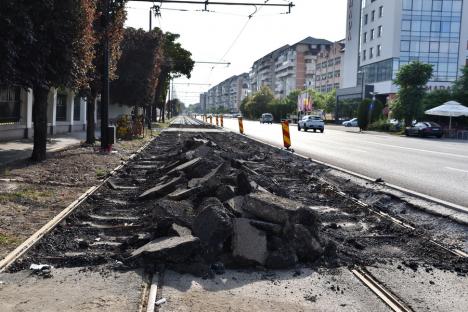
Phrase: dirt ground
(33, 193)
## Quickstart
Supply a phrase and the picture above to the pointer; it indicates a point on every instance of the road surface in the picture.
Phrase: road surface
(434, 167)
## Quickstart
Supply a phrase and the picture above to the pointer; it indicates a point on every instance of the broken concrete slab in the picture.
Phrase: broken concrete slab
(268, 227)
(271, 208)
(209, 181)
(236, 204)
(179, 230)
(243, 184)
(225, 192)
(307, 247)
(166, 212)
(186, 165)
(213, 225)
(172, 249)
(180, 194)
(161, 190)
(248, 242)
(113, 184)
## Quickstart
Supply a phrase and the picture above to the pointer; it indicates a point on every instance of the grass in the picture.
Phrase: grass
(25, 194)
(6, 240)
(100, 173)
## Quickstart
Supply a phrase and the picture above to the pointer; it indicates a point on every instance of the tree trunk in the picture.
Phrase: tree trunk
(40, 123)
(90, 122)
(163, 113)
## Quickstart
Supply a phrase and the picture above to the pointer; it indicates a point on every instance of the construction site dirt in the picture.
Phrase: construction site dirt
(219, 216)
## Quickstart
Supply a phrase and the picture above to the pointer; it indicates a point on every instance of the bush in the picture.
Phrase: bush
(363, 112)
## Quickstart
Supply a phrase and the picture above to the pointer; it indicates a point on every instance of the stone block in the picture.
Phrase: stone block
(271, 208)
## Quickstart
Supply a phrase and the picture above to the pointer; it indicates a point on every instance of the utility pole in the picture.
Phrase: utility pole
(150, 19)
(105, 146)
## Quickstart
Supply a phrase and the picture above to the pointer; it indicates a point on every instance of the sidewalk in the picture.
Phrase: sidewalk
(21, 149)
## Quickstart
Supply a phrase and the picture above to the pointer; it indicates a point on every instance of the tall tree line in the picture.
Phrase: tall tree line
(59, 43)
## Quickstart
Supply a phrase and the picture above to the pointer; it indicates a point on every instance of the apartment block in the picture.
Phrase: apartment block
(228, 94)
(329, 68)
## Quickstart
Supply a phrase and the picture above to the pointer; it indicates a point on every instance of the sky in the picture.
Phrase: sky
(227, 34)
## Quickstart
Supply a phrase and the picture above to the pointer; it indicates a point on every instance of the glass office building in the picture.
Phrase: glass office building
(430, 33)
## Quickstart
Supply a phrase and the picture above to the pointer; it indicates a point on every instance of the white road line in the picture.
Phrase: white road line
(455, 169)
(419, 150)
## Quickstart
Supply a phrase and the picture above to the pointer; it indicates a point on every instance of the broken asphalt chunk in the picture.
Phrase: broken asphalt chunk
(161, 190)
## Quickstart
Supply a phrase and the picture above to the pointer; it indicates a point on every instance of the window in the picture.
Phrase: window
(434, 46)
(371, 53)
(437, 5)
(407, 4)
(379, 31)
(365, 19)
(406, 25)
(338, 60)
(77, 108)
(372, 34)
(10, 104)
(61, 110)
(364, 55)
(404, 45)
(365, 37)
(379, 49)
(337, 73)
(381, 11)
(373, 15)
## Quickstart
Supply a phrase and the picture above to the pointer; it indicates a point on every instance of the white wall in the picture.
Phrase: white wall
(350, 59)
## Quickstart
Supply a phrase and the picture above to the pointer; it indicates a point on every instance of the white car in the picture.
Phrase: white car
(311, 122)
(350, 123)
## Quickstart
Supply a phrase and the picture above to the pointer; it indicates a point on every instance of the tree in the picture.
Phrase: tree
(114, 33)
(412, 79)
(176, 62)
(176, 106)
(368, 112)
(54, 48)
(460, 89)
(260, 102)
(138, 68)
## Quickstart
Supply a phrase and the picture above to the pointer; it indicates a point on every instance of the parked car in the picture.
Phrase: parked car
(266, 118)
(311, 122)
(350, 123)
(425, 129)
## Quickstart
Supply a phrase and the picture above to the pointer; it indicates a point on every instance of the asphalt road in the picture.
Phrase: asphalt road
(434, 167)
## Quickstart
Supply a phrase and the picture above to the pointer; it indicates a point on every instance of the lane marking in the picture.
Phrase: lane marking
(456, 169)
(419, 150)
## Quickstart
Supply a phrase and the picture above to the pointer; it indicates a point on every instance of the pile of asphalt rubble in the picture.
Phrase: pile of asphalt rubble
(208, 214)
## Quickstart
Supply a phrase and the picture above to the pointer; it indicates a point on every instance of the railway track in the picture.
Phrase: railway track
(110, 217)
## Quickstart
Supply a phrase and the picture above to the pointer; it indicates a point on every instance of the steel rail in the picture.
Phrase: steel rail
(395, 303)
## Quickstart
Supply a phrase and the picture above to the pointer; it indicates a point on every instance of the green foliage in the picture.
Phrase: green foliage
(460, 90)
(254, 106)
(138, 68)
(412, 79)
(434, 99)
(364, 116)
(176, 107)
(280, 108)
(383, 125)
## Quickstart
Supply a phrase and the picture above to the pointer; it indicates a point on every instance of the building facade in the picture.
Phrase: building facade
(329, 68)
(289, 67)
(66, 112)
(227, 94)
(383, 35)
